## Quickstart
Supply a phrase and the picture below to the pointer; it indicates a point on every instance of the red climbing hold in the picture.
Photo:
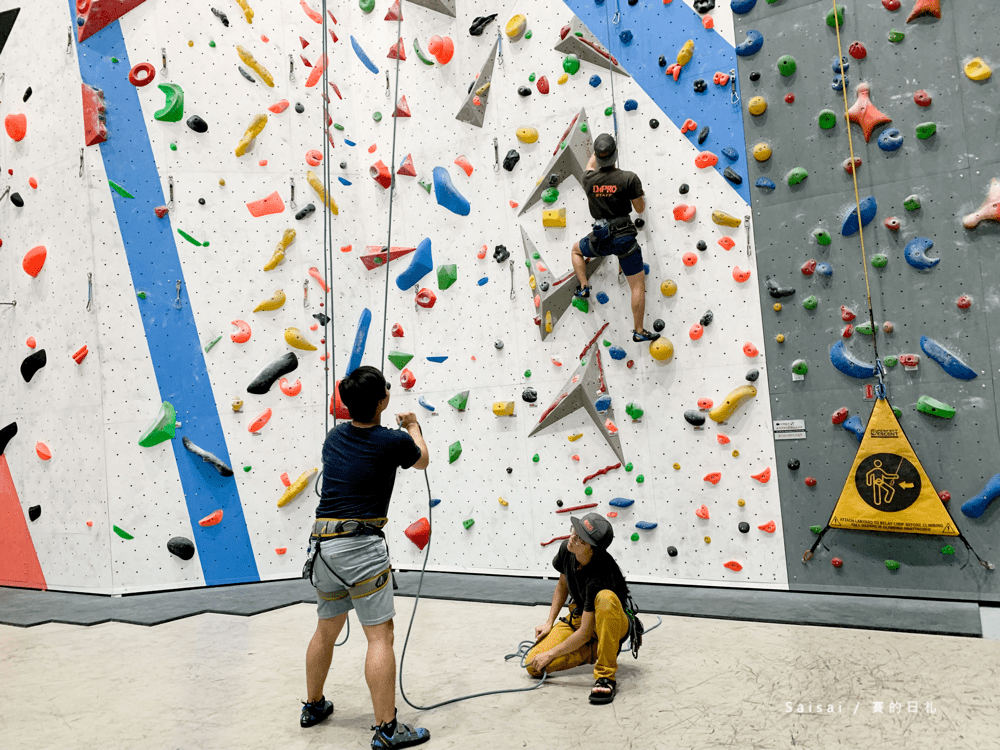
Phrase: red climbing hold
(704, 404)
(262, 419)
(944, 495)
(696, 332)
(720, 78)
(706, 159)
(964, 302)
(465, 164)
(31, 343)
(763, 476)
(865, 114)
(722, 439)
(33, 261)
(406, 168)
(380, 173)
(850, 167)
(397, 331)
(94, 129)
(211, 519)
(836, 562)
(846, 314)
(750, 350)
(337, 407)
(395, 13)
(857, 50)
(317, 72)
(891, 4)
(810, 481)
(426, 298)
(769, 527)
(684, 212)
(689, 259)
(97, 14)
(839, 416)
(142, 74)
(542, 85)
(909, 360)
(272, 204)
(727, 243)
(397, 51)
(925, 8)
(161, 211)
(789, 98)
(922, 98)
(733, 565)
(43, 451)
(278, 107)
(16, 125)
(892, 223)
(808, 268)
(407, 379)
(419, 532)
(303, 42)
(848, 331)
(739, 275)
(714, 477)
(689, 125)
(702, 512)
(402, 108)
(80, 354)
(314, 157)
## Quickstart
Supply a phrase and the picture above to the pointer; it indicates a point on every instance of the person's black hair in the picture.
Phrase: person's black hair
(361, 391)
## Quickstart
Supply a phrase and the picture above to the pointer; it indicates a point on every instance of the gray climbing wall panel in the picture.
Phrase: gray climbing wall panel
(951, 172)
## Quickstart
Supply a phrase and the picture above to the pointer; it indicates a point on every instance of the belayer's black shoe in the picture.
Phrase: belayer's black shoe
(314, 713)
(393, 734)
(644, 335)
(582, 292)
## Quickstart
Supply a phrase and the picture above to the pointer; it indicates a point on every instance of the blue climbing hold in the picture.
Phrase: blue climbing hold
(890, 140)
(752, 45)
(950, 363)
(848, 364)
(621, 502)
(483, 281)
(423, 402)
(824, 269)
(349, 143)
(868, 210)
(730, 153)
(645, 525)
(855, 426)
(360, 338)
(421, 264)
(603, 403)
(603, 298)
(765, 183)
(616, 352)
(976, 506)
(625, 37)
(363, 56)
(740, 7)
(437, 358)
(841, 64)
(447, 194)
(838, 82)
(595, 81)
(435, 502)
(631, 104)
(343, 181)
(916, 253)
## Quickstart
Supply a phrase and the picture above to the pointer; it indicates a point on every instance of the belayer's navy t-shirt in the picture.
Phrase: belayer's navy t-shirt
(359, 470)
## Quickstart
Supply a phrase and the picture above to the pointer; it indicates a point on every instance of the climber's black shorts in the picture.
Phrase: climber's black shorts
(624, 246)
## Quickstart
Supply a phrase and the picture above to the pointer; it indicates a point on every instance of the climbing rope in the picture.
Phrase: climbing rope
(329, 352)
(857, 197)
(611, 76)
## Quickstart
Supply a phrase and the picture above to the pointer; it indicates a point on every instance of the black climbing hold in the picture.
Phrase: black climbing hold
(707, 318)
(732, 175)
(207, 457)
(700, 87)
(654, 123)
(777, 291)
(663, 61)
(27, 94)
(793, 464)
(498, 344)
(633, 2)
(511, 159)
(17, 200)
(544, 286)
(694, 417)
(323, 318)
(703, 134)
(270, 374)
(245, 74)
(201, 201)
(32, 364)
(480, 23)
(221, 16)
(683, 188)
(744, 527)
(500, 253)
(305, 211)
(529, 395)
(34, 512)
(658, 325)
(523, 91)
(755, 76)
(182, 547)
(752, 375)
(640, 223)
(554, 180)
(197, 124)
(702, 245)
(559, 503)
(299, 107)
(510, 469)
(703, 6)
(343, 165)
(672, 551)
(6, 434)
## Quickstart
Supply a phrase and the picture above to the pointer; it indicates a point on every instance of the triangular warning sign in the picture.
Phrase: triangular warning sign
(887, 489)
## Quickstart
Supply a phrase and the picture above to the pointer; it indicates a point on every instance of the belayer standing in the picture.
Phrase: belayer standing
(611, 195)
(352, 571)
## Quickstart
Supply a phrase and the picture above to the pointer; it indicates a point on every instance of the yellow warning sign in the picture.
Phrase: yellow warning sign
(887, 488)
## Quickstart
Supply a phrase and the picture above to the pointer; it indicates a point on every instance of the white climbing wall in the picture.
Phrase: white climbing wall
(99, 472)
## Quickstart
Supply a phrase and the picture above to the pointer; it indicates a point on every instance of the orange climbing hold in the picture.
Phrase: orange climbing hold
(684, 212)
(33, 182)
(688, 126)
(702, 512)
(750, 350)
(769, 527)
(80, 354)
(314, 272)
(272, 204)
(739, 275)
(727, 243)
(33, 261)
(314, 157)
(705, 404)
(706, 159)
(279, 107)
(714, 477)
(465, 164)
(865, 114)
(43, 451)
(31, 342)
(689, 259)
(696, 332)
(722, 439)
(763, 476)
(290, 389)
(211, 519)
(733, 566)
(317, 72)
(17, 126)
(258, 424)
(380, 173)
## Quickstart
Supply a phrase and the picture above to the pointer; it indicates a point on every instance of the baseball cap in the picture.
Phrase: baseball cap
(606, 151)
(594, 530)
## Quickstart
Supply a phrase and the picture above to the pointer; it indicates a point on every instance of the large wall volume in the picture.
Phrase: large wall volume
(906, 55)
(165, 290)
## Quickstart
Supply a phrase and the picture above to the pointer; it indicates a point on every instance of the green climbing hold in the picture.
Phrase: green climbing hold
(454, 451)
(173, 146)
(583, 127)
(535, 458)
(880, 260)
(247, 469)
(896, 36)
(822, 237)
(581, 304)
(423, 58)
(635, 537)
(935, 408)
(460, 401)
(628, 466)
(399, 359)
(447, 275)
(425, 185)
(367, 6)
(865, 328)
(926, 129)
(531, 78)
(527, 373)
(337, 126)
(786, 65)
(827, 119)
(571, 64)
(606, 343)
(890, 361)
(897, 411)
(122, 533)
(536, 255)
(948, 550)
(120, 190)
(797, 175)
(608, 111)
(527, 35)
(589, 491)
(468, 523)
(634, 410)
(800, 367)
(188, 237)
(163, 428)
(173, 108)
(892, 565)
(550, 195)
(114, 59)
(141, 295)
(837, 20)
(211, 43)
(912, 203)
(640, 479)
(810, 302)
(377, 116)
(815, 529)
(212, 343)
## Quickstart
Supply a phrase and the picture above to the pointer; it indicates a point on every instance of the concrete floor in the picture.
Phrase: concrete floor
(219, 681)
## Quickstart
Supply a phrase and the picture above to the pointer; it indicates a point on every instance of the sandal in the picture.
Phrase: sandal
(600, 698)
(582, 292)
(644, 335)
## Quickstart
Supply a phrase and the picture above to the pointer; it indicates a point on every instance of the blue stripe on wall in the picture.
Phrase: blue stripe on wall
(660, 29)
(224, 550)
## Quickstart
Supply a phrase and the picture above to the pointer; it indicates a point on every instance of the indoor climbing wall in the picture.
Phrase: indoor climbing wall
(924, 112)
(200, 201)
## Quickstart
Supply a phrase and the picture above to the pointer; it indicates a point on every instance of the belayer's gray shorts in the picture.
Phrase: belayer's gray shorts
(363, 562)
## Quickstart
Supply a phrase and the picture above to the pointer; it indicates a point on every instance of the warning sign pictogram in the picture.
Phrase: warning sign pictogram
(887, 488)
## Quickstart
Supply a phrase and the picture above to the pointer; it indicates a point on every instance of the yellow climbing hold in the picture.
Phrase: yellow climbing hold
(757, 105)
(256, 126)
(516, 26)
(574, 438)
(724, 219)
(662, 349)
(259, 69)
(317, 185)
(733, 401)
(977, 69)
(562, 79)
(554, 217)
(503, 408)
(527, 135)
(247, 10)
(741, 502)
(668, 288)
(684, 56)
(273, 302)
(777, 307)
(483, 89)
(531, 281)
(237, 404)
(222, 182)
(279, 252)
(677, 467)
(295, 488)
(780, 338)
(295, 339)
(736, 454)
(548, 321)
(762, 151)
(708, 540)
(503, 502)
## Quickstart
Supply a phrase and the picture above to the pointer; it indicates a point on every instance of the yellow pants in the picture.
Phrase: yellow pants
(610, 627)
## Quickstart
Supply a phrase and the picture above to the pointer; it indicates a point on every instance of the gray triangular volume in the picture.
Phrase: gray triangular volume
(580, 42)
(441, 6)
(7, 19)
(582, 390)
(474, 114)
(554, 295)
(565, 162)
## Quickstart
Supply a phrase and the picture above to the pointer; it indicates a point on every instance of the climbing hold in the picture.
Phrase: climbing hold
(796, 176)
(253, 130)
(668, 288)
(33, 260)
(935, 408)
(741, 7)
(554, 217)
(702, 512)
(976, 69)
(763, 476)
(267, 377)
(661, 349)
(294, 338)
(273, 302)
(256, 67)
(447, 194)
(714, 477)
(975, 506)
(210, 458)
(43, 451)
(684, 212)
(162, 428)
(890, 140)
(989, 210)
(94, 115)
(854, 425)
(865, 114)
(751, 46)
(786, 65)
(421, 264)
(732, 402)
(869, 208)
(459, 400)
(454, 451)
(689, 259)
(808, 268)
(922, 98)
(706, 159)
(750, 350)
(912, 202)
(824, 269)
(851, 166)
(925, 130)
(726, 220)
(835, 17)
(916, 253)
(765, 183)
(776, 290)
(827, 119)
(770, 527)
(258, 424)
(757, 105)
(949, 362)
(425, 298)
(16, 125)
(848, 364)
(762, 152)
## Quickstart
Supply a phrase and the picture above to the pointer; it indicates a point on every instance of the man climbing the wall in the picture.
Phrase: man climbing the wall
(611, 194)
(352, 571)
(596, 625)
